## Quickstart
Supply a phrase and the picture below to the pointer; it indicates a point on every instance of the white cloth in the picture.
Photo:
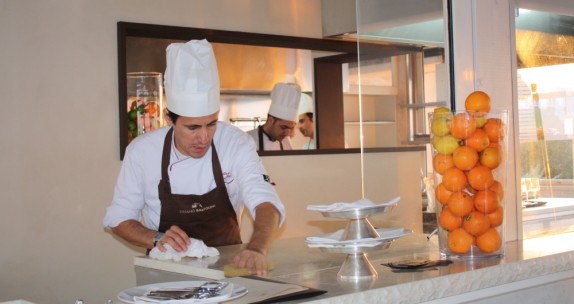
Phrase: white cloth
(136, 191)
(196, 249)
(191, 79)
(269, 145)
(335, 237)
(285, 99)
(356, 205)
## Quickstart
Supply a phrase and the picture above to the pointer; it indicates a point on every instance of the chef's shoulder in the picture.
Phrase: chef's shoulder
(148, 145)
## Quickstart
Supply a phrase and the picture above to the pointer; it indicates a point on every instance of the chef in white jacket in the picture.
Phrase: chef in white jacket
(193, 178)
(281, 119)
(306, 123)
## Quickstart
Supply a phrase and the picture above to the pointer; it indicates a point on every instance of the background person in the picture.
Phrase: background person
(305, 121)
(194, 177)
(281, 119)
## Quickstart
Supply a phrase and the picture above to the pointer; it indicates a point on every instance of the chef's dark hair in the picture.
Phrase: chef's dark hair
(310, 115)
(172, 116)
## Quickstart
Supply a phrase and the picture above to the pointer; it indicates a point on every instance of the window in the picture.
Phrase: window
(545, 67)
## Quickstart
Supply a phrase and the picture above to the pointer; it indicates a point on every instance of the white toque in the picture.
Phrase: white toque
(191, 79)
(285, 99)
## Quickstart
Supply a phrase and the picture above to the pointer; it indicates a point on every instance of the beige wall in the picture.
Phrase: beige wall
(58, 92)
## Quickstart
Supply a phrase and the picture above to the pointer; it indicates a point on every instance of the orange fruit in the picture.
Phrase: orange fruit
(476, 223)
(441, 162)
(477, 102)
(465, 158)
(494, 128)
(442, 194)
(497, 187)
(462, 126)
(454, 179)
(459, 241)
(478, 140)
(494, 145)
(495, 218)
(151, 108)
(460, 203)
(490, 241)
(491, 157)
(485, 201)
(480, 177)
(449, 221)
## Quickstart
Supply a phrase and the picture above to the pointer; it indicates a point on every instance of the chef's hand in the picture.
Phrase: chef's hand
(254, 261)
(176, 238)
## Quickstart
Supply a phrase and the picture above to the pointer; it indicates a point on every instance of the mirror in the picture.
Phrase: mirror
(320, 65)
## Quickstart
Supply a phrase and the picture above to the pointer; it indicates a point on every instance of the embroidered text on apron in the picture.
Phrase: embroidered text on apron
(209, 217)
(260, 132)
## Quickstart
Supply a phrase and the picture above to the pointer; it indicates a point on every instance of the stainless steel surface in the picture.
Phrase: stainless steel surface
(359, 229)
(361, 213)
(357, 267)
(295, 263)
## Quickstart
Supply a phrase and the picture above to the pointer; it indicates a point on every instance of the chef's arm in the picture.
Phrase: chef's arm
(137, 234)
(264, 228)
(254, 256)
(134, 232)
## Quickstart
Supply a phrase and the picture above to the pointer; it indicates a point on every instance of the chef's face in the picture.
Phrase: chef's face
(193, 135)
(305, 125)
(280, 128)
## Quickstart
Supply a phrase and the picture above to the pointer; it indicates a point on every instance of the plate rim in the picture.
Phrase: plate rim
(190, 283)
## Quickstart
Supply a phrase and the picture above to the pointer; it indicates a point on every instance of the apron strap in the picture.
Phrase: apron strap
(260, 134)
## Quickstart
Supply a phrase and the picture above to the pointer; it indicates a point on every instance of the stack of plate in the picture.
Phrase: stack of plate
(333, 240)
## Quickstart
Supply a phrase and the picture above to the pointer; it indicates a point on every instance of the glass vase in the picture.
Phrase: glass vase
(469, 171)
(145, 103)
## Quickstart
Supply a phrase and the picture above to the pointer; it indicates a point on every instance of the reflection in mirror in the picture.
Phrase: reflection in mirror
(247, 75)
(250, 64)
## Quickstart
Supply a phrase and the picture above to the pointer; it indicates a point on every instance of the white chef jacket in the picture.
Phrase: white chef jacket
(269, 145)
(310, 144)
(136, 191)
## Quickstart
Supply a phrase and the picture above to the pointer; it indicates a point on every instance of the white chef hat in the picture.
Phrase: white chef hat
(191, 79)
(285, 99)
(306, 104)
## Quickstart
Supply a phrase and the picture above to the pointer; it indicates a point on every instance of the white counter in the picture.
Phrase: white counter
(546, 262)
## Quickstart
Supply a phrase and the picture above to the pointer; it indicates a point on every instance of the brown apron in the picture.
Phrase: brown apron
(260, 132)
(209, 217)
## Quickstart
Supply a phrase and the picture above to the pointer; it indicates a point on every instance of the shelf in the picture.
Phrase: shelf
(371, 90)
(425, 105)
(369, 122)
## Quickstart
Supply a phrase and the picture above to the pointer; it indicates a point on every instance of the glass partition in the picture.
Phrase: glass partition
(387, 96)
(545, 65)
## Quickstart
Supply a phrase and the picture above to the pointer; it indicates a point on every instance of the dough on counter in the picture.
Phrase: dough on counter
(230, 270)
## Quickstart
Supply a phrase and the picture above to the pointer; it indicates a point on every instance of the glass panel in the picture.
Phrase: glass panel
(545, 57)
(387, 96)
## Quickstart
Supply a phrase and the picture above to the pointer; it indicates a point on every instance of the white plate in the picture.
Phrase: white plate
(232, 291)
(385, 234)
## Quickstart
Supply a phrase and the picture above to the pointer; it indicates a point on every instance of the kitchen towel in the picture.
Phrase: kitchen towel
(196, 249)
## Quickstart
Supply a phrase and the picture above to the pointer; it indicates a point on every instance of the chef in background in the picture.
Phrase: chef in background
(281, 119)
(305, 121)
(193, 178)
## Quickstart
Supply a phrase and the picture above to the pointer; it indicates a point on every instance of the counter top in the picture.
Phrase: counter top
(295, 263)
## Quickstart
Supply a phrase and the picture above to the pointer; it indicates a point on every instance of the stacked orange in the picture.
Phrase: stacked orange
(467, 152)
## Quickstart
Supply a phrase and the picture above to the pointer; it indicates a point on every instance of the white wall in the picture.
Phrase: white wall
(58, 92)
(59, 96)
